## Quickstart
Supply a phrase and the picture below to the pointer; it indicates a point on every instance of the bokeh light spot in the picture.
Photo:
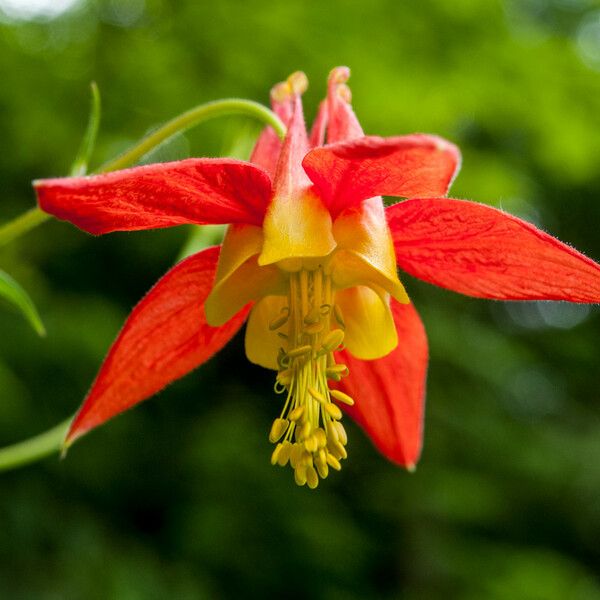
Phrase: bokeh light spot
(588, 40)
(32, 10)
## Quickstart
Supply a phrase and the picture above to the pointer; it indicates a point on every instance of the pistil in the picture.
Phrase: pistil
(308, 433)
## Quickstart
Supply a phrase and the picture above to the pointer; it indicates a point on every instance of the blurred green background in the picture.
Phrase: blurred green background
(177, 499)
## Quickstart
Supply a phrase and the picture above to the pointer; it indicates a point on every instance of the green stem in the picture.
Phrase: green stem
(229, 106)
(44, 444)
(22, 224)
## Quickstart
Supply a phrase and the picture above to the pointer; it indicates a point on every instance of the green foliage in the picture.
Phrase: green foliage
(11, 291)
(80, 165)
(177, 498)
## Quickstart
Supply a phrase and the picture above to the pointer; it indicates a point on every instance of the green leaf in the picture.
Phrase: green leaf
(16, 295)
(80, 164)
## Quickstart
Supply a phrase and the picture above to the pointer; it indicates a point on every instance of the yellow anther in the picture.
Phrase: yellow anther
(321, 456)
(314, 328)
(284, 454)
(312, 317)
(277, 322)
(337, 313)
(342, 436)
(305, 431)
(323, 469)
(325, 309)
(332, 432)
(332, 340)
(317, 395)
(278, 429)
(337, 449)
(333, 410)
(333, 462)
(296, 455)
(312, 478)
(300, 475)
(311, 443)
(307, 459)
(276, 453)
(285, 377)
(340, 370)
(296, 413)
(341, 397)
(299, 351)
(321, 437)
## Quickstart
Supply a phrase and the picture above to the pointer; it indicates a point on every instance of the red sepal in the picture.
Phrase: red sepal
(480, 251)
(319, 127)
(346, 173)
(268, 146)
(289, 175)
(389, 392)
(165, 337)
(195, 190)
(343, 124)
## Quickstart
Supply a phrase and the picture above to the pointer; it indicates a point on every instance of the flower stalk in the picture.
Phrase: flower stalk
(204, 112)
(35, 448)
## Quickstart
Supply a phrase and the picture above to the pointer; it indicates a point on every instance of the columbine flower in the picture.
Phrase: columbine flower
(311, 256)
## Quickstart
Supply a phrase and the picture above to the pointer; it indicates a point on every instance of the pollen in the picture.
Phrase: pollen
(308, 433)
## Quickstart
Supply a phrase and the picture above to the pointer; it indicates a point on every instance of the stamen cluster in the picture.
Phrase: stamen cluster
(308, 433)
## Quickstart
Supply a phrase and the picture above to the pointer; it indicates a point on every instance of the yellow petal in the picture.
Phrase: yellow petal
(239, 279)
(349, 270)
(365, 250)
(370, 329)
(262, 344)
(240, 243)
(296, 226)
(247, 284)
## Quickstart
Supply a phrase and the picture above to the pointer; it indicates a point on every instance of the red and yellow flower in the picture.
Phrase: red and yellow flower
(310, 258)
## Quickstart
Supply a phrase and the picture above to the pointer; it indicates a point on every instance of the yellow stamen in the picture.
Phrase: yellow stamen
(337, 313)
(341, 432)
(284, 454)
(300, 351)
(333, 411)
(279, 321)
(296, 413)
(307, 432)
(278, 429)
(333, 340)
(312, 478)
(341, 397)
(333, 462)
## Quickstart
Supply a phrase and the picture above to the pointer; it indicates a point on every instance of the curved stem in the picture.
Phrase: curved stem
(32, 449)
(217, 108)
(22, 224)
